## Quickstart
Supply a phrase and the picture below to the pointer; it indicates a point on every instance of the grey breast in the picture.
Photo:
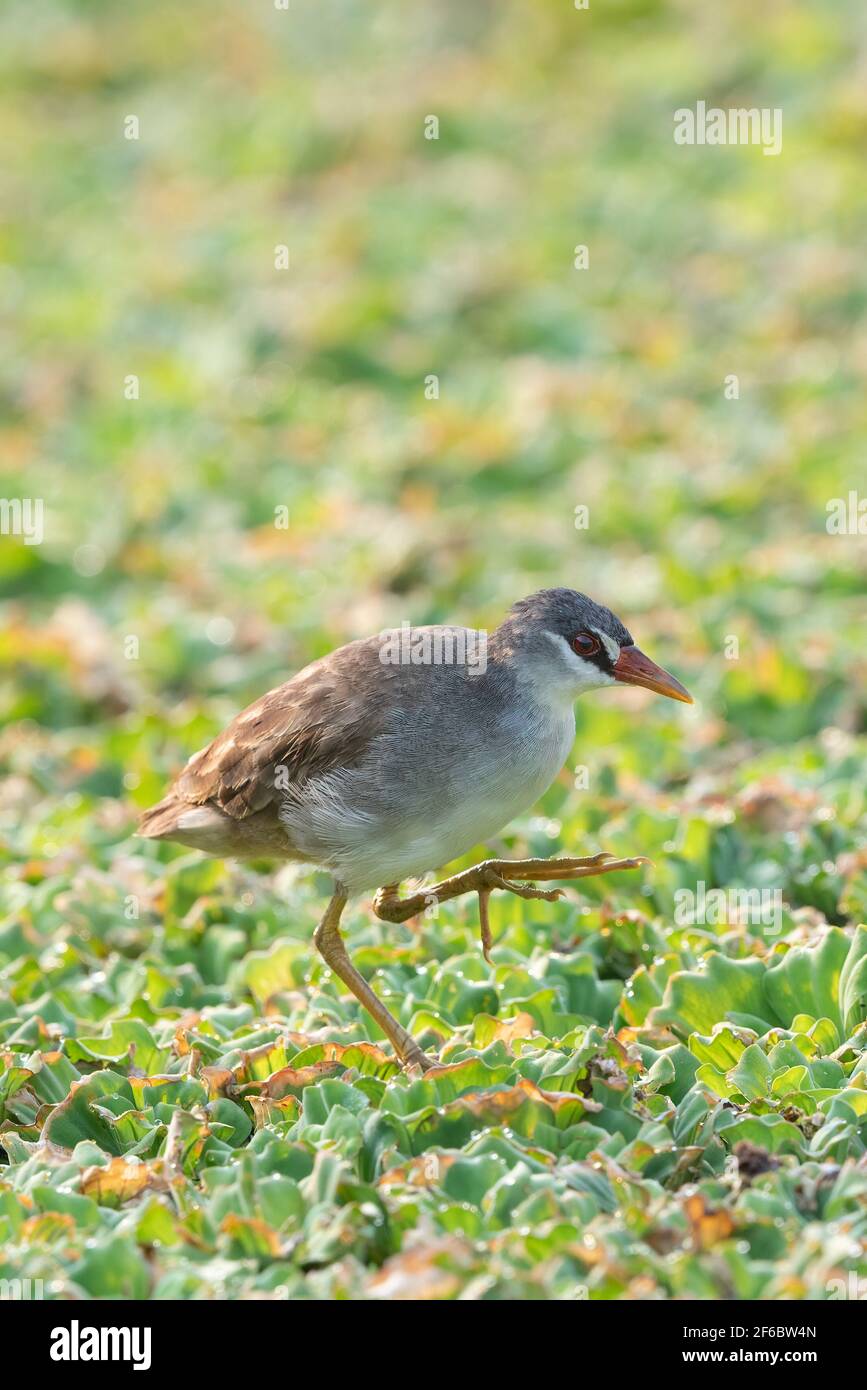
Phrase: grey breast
(459, 754)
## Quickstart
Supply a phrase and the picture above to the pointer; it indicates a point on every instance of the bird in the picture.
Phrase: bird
(396, 754)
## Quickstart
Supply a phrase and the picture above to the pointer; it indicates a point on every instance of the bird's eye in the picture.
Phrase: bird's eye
(585, 644)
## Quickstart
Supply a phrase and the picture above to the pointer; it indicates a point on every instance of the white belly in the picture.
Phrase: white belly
(365, 852)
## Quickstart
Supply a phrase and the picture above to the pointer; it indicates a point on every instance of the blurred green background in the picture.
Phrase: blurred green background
(164, 596)
(304, 388)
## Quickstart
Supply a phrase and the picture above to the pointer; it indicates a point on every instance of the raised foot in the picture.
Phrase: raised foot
(500, 873)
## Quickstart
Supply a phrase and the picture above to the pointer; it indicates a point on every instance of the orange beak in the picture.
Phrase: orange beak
(632, 667)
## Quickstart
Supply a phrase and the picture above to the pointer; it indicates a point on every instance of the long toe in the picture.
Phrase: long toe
(581, 868)
(494, 879)
(549, 894)
(522, 890)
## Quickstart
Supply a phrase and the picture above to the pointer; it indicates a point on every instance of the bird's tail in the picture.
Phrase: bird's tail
(161, 821)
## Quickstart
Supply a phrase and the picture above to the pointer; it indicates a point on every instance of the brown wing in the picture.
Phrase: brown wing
(322, 719)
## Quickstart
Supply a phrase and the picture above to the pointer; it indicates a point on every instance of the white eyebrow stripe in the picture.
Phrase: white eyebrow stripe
(559, 641)
(612, 647)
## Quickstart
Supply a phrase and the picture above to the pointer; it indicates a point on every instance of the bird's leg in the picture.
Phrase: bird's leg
(497, 873)
(329, 944)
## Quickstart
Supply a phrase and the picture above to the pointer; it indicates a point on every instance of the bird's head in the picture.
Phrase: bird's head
(563, 640)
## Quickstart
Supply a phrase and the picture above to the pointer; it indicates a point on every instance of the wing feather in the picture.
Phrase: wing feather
(322, 719)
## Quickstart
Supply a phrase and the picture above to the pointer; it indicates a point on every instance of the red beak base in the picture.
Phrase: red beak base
(632, 667)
